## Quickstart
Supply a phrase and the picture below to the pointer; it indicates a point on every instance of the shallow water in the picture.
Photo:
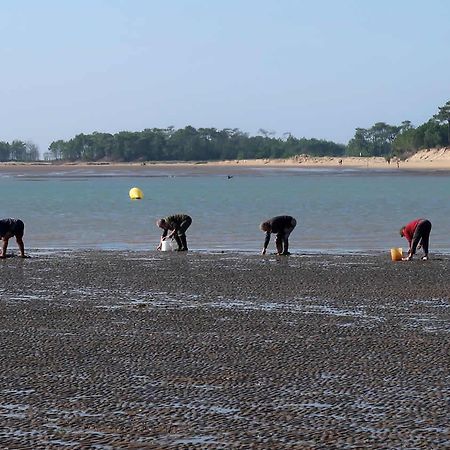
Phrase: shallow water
(337, 210)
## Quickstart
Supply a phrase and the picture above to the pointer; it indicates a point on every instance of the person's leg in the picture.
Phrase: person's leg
(183, 240)
(279, 243)
(425, 229)
(287, 233)
(182, 233)
(286, 243)
(21, 246)
(5, 240)
(417, 237)
(421, 234)
(184, 226)
(19, 231)
(178, 241)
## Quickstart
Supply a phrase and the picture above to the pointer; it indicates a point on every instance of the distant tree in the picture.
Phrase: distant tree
(405, 141)
(444, 116)
(359, 145)
(406, 125)
(266, 133)
(32, 151)
(430, 134)
(434, 135)
(375, 141)
(56, 149)
(5, 151)
(18, 151)
(103, 145)
(187, 144)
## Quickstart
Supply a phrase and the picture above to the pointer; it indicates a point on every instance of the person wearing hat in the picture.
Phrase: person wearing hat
(282, 226)
(175, 227)
(417, 233)
(8, 229)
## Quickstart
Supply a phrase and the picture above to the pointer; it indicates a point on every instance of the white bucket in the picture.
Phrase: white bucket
(166, 246)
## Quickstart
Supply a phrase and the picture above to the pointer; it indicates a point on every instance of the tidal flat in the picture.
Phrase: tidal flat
(148, 350)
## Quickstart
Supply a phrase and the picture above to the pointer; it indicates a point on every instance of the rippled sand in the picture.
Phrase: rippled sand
(112, 350)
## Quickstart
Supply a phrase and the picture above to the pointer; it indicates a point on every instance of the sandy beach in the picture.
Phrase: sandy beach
(143, 350)
(430, 159)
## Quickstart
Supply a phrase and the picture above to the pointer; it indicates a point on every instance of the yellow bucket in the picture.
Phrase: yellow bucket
(396, 254)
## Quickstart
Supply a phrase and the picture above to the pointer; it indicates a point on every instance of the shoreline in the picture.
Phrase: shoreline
(425, 160)
(37, 252)
(151, 350)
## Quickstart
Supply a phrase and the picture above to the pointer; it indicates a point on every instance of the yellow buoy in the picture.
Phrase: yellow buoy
(136, 194)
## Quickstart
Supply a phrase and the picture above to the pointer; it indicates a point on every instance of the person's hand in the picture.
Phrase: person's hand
(159, 247)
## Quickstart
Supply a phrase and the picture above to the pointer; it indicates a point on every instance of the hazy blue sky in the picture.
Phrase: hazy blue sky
(317, 68)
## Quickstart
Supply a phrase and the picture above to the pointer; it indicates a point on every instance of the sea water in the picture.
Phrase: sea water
(337, 210)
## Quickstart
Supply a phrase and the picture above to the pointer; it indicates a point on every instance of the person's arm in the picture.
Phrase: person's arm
(173, 229)
(163, 237)
(4, 246)
(21, 246)
(410, 253)
(266, 243)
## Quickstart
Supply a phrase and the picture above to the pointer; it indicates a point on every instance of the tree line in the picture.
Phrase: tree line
(404, 140)
(186, 144)
(18, 151)
(211, 144)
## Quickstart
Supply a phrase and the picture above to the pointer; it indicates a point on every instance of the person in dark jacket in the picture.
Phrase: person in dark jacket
(175, 227)
(8, 229)
(282, 226)
(417, 233)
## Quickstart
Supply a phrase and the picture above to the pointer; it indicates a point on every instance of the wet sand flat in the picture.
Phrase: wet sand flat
(144, 350)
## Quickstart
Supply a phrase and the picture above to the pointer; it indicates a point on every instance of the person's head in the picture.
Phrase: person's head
(161, 223)
(266, 227)
(402, 231)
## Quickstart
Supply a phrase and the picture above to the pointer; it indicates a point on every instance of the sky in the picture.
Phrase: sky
(315, 69)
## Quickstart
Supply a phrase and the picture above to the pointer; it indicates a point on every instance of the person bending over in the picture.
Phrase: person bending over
(282, 226)
(175, 227)
(8, 229)
(417, 233)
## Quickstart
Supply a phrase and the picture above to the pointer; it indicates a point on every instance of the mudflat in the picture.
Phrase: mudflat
(147, 350)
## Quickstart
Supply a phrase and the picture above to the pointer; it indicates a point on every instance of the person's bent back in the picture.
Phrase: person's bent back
(8, 229)
(282, 226)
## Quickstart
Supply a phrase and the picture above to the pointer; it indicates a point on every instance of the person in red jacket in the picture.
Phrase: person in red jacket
(417, 233)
